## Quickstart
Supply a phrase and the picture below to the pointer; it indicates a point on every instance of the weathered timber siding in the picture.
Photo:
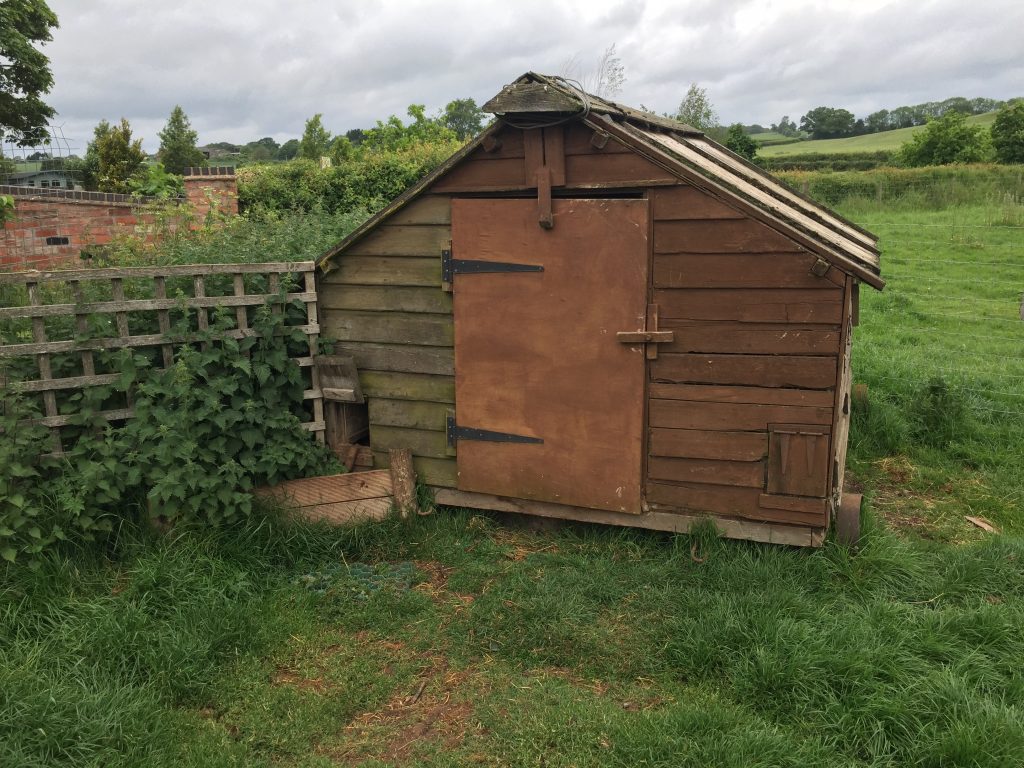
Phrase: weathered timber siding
(383, 305)
(757, 342)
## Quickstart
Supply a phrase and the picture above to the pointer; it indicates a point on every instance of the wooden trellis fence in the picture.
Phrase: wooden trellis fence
(90, 295)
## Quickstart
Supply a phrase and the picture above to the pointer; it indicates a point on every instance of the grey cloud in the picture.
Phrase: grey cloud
(242, 70)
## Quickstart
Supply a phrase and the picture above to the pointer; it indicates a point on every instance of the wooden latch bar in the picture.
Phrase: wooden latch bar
(650, 336)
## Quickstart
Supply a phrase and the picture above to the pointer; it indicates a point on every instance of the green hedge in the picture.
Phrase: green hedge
(932, 187)
(822, 161)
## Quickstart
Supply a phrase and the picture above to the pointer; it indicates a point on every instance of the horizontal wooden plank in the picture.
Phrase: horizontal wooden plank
(686, 202)
(760, 395)
(169, 270)
(708, 444)
(734, 417)
(748, 474)
(660, 518)
(725, 500)
(402, 240)
(482, 172)
(421, 442)
(425, 209)
(431, 471)
(148, 340)
(753, 370)
(144, 305)
(626, 168)
(507, 144)
(751, 305)
(748, 338)
(387, 298)
(347, 512)
(311, 491)
(389, 327)
(719, 236)
(408, 413)
(408, 386)
(793, 503)
(739, 270)
(578, 142)
(398, 357)
(384, 270)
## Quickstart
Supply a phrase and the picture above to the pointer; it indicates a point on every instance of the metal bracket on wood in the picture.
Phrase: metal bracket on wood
(456, 433)
(451, 266)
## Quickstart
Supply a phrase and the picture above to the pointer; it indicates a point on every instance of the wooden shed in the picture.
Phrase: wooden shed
(594, 313)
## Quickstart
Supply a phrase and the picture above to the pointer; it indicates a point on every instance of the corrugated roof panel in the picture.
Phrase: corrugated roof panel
(846, 244)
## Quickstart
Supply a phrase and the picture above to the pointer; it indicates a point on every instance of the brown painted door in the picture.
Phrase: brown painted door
(536, 354)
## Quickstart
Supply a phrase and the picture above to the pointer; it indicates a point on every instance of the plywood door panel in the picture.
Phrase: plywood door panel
(536, 353)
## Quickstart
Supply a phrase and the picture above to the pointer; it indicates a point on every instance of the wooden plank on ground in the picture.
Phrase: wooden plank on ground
(751, 305)
(708, 444)
(749, 370)
(683, 414)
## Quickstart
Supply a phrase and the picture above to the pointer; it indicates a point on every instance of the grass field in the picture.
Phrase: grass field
(456, 640)
(872, 142)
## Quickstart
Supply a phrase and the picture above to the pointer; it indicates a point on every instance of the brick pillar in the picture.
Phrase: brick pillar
(211, 189)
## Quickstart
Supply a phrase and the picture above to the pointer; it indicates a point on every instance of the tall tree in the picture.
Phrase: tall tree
(463, 117)
(316, 139)
(288, 150)
(1008, 133)
(24, 71)
(739, 142)
(178, 144)
(696, 109)
(119, 158)
(827, 123)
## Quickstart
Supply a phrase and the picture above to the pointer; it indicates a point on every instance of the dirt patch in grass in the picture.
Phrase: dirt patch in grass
(435, 713)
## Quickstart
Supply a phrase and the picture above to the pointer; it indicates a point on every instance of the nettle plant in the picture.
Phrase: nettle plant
(223, 419)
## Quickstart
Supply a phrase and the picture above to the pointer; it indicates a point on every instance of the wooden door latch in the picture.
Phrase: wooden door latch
(650, 336)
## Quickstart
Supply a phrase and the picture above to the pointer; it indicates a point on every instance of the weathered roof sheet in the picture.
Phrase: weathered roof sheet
(535, 99)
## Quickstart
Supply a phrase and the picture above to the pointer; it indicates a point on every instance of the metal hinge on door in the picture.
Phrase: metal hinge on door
(451, 267)
(456, 433)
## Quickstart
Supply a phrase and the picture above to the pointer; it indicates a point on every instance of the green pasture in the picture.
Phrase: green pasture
(457, 639)
(871, 142)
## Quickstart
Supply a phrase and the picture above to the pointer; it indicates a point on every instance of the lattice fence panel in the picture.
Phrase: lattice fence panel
(53, 324)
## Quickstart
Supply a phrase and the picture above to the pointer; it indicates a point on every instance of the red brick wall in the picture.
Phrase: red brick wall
(76, 221)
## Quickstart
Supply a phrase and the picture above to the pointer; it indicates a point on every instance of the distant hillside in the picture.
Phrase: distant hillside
(870, 142)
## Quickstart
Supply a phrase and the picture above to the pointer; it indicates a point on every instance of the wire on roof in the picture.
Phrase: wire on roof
(572, 85)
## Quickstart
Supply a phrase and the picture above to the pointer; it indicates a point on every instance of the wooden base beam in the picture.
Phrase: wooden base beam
(660, 518)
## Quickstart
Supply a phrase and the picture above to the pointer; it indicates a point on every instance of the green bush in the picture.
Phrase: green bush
(828, 161)
(222, 420)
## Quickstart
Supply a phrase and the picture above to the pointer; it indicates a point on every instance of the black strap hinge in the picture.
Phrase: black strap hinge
(451, 267)
(456, 433)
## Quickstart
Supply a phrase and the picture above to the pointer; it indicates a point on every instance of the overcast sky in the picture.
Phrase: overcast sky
(243, 69)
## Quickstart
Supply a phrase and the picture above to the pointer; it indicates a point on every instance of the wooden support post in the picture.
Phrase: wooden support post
(403, 481)
(163, 319)
(43, 361)
(544, 215)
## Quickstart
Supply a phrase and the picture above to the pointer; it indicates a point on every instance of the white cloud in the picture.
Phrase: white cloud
(242, 70)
